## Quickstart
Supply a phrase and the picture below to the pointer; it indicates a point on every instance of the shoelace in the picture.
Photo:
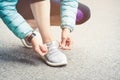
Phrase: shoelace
(52, 51)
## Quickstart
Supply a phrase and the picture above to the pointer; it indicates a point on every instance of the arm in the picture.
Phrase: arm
(68, 19)
(68, 13)
(13, 20)
(18, 25)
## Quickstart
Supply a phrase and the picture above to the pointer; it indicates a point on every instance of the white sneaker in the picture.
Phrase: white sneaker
(54, 57)
(26, 43)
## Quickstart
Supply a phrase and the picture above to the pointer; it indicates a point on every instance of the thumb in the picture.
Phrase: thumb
(37, 50)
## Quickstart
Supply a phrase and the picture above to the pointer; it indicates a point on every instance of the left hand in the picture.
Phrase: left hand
(66, 41)
(38, 47)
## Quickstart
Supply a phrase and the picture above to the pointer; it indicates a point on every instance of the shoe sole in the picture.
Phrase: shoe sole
(25, 44)
(53, 64)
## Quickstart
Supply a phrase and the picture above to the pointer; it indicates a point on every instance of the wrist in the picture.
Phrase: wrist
(30, 37)
(66, 29)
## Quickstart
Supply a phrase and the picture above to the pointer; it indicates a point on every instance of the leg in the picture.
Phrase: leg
(16, 23)
(55, 13)
(82, 16)
(41, 12)
(83, 13)
(24, 9)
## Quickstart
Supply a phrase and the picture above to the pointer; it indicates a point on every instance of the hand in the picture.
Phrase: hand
(38, 47)
(66, 41)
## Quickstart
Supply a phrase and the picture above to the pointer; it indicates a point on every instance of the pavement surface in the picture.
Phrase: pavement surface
(95, 54)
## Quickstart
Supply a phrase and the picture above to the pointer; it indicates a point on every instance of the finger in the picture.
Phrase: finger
(43, 49)
(68, 45)
(63, 42)
(37, 50)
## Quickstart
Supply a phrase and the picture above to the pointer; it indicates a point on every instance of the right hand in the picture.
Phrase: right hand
(38, 46)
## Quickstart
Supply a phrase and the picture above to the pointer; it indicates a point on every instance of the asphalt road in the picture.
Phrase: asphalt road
(95, 54)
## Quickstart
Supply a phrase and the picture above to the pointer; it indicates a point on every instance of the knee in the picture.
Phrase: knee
(85, 13)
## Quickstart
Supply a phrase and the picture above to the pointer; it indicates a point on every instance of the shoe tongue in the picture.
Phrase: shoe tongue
(52, 43)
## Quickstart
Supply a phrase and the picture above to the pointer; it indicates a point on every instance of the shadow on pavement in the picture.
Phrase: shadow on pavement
(20, 55)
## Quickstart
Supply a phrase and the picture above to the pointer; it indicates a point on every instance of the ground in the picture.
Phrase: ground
(95, 54)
